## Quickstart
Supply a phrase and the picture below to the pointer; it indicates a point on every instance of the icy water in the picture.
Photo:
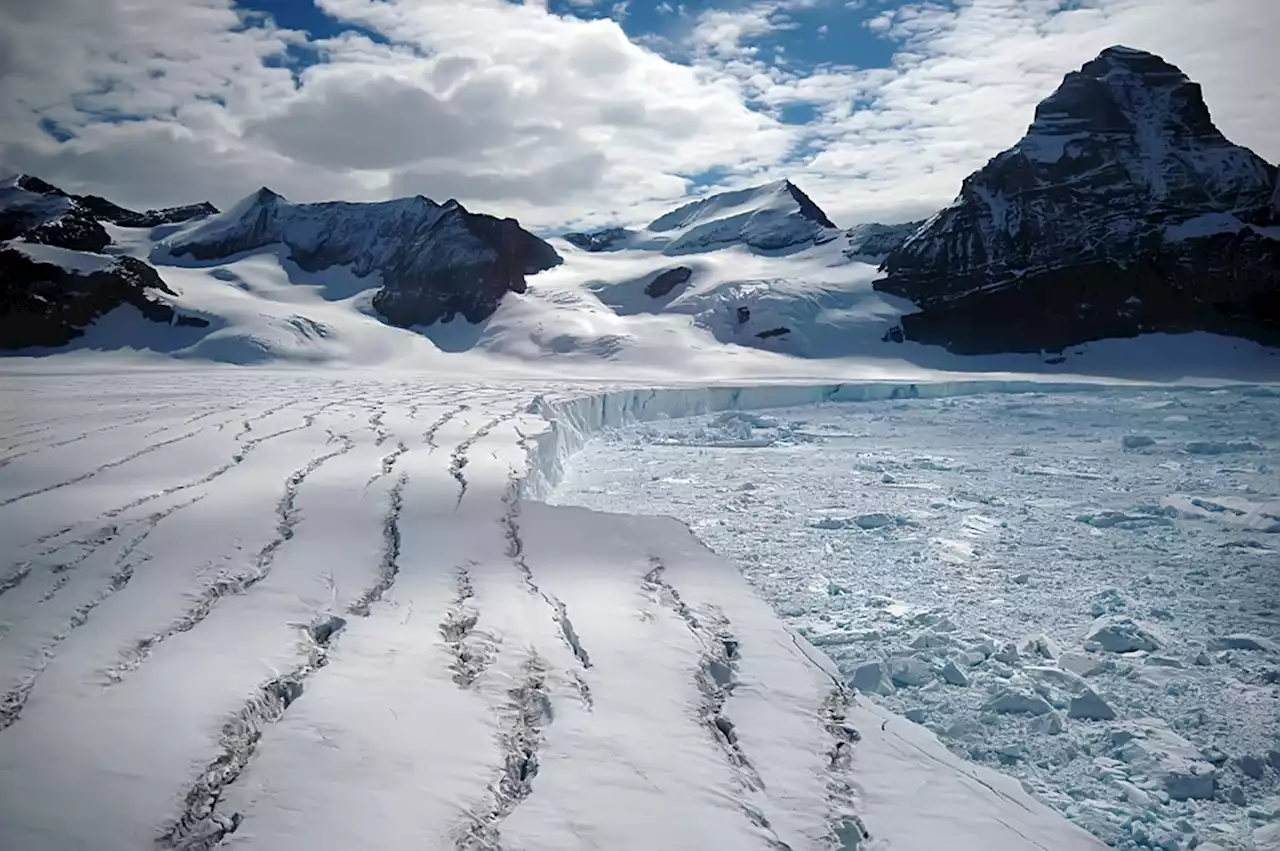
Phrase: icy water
(996, 567)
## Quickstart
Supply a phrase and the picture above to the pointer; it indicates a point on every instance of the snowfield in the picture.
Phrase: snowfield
(280, 610)
(1077, 588)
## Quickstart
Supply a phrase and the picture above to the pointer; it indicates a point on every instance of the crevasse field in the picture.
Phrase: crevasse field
(293, 610)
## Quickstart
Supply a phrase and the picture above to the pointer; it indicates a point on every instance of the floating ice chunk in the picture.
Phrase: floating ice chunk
(1049, 724)
(1133, 794)
(1241, 641)
(871, 678)
(952, 674)
(1083, 664)
(927, 640)
(1058, 677)
(1039, 644)
(985, 647)
(910, 671)
(1008, 654)
(1124, 520)
(1123, 634)
(1107, 601)
(1267, 838)
(1163, 755)
(1268, 809)
(1251, 766)
(1090, 705)
(1215, 447)
(1013, 701)
(862, 521)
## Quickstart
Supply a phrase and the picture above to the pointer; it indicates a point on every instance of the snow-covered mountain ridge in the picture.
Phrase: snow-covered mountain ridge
(433, 261)
(1123, 210)
(774, 217)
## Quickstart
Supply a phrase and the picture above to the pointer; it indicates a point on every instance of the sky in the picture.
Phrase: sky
(579, 113)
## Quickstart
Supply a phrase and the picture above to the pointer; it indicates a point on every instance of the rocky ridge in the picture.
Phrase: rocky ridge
(434, 261)
(47, 298)
(1123, 210)
(55, 279)
(773, 217)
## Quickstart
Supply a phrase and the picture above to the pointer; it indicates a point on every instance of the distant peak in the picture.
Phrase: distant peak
(1133, 60)
(266, 196)
(1121, 51)
(31, 183)
(808, 208)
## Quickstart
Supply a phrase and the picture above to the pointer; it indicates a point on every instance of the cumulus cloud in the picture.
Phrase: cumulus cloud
(559, 120)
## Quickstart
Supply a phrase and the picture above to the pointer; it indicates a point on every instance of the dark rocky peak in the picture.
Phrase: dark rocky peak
(1123, 210)
(89, 210)
(48, 295)
(31, 183)
(265, 195)
(434, 261)
(1123, 90)
(808, 209)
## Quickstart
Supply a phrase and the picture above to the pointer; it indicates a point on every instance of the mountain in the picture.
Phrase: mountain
(877, 240)
(55, 279)
(434, 261)
(1123, 210)
(36, 211)
(775, 217)
(49, 295)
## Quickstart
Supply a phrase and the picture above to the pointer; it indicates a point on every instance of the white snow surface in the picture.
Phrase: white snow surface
(1010, 562)
(79, 262)
(296, 610)
(767, 217)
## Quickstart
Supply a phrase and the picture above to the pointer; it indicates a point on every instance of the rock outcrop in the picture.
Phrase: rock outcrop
(434, 261)
(875, 240)
(49, 295)
(37, 211)
(1122, 211)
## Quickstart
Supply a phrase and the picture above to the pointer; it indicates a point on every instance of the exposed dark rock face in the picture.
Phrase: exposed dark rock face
(877, 240)
(666, 281)
(37, 211)
(1122, 211)
(599, 240)
(46, 305)
(75, 231)
(436, 261)
(103, 209)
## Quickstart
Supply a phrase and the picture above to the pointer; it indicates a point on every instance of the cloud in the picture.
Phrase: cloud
(896, 142)
(558, 120)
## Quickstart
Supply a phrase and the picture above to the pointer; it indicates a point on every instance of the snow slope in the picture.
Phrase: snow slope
(397, 646)
(774, 217)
